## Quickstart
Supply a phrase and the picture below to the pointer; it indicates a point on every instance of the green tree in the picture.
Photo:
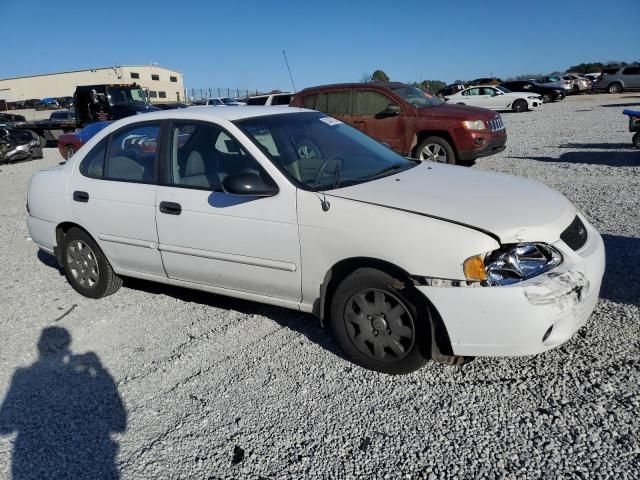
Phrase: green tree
(431, 86)
(379, 76)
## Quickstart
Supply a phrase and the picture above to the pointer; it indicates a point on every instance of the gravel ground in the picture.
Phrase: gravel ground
(170, 383)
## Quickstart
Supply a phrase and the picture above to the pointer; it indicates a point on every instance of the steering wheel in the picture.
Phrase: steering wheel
(321, 173)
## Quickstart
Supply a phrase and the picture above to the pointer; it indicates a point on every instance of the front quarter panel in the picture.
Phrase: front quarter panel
(418, 244)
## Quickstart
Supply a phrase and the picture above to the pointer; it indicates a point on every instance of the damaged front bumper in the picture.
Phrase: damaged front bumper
(525, 318)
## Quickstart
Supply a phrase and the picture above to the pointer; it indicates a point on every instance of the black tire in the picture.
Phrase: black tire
(88, 272)
(615, 87)
(398, 347)
(636, 140)
(69, 152)
(547, 98)
(520, 105)
(576, 90)
(441, 150)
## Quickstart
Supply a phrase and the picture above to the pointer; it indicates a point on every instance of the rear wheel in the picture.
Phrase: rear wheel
(380, 323)
(85, 266)
(614, 88)
(520, 105)
(70, 151)
(636, 140)
(436, 149)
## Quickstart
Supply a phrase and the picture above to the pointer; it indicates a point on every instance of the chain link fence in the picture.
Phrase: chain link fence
(203, 94)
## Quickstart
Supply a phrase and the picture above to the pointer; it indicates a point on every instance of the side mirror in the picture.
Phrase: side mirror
(248, 184)
(392, 109)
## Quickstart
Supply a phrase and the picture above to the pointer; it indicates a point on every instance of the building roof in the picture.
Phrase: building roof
(93, 69)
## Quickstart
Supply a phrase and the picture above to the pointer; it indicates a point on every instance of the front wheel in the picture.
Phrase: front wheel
(436, 149)
(70, 152)
(547, 98)
(379, 324)
(520, 105)
(85, 266)
(636, 140)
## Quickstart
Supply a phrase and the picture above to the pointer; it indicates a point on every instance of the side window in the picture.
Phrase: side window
(309, 101)
(92, 165)
(281, 100)
(132, 153)
(202, 155)
(631, 71)
(472, 92)
(337, 103)
(368, 102)
(489, 91)
(257, 101)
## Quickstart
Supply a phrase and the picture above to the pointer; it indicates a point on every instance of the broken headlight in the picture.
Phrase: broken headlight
(512, 263)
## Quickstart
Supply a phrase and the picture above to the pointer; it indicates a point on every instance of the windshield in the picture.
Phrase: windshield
(124, 96)
(228, 100)
(503, 89)
(318, 152)
(416, 97)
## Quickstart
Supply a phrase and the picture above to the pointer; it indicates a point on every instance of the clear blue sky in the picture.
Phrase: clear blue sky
(239, 44)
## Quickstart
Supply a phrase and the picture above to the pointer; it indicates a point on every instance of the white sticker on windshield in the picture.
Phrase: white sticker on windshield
(330, 121)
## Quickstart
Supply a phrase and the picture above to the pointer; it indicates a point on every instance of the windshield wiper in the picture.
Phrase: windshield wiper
(386, 170)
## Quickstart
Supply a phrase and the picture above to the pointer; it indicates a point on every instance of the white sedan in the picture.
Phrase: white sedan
(496, 98)
(406, 260)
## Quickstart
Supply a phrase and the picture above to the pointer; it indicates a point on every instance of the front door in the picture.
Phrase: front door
(113, 197)
(370, 114)
(209, 237)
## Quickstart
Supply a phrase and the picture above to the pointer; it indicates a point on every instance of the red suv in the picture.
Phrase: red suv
(409, 120)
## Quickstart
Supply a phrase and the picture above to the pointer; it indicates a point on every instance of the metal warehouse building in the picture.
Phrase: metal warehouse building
(164, 85)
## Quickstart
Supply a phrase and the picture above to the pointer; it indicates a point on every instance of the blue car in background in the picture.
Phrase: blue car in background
(70, 143)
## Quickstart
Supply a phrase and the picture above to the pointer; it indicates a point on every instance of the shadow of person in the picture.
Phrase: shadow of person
(64, 408)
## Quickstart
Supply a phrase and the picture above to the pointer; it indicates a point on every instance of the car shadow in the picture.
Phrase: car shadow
(629, 158)
(597, 146)
(63, 409)
(621, 105)
(620, 282)
(301, 322)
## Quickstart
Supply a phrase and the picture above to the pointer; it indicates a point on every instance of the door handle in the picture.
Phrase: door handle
(79, 196)
(170, 208)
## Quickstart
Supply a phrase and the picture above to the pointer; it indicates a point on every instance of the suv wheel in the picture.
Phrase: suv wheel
(614, 88)
(547, 98)
(436, 149)
(380, 323)
(85, 266)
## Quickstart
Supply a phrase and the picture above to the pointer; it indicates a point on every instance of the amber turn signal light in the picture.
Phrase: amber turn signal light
(474, 269)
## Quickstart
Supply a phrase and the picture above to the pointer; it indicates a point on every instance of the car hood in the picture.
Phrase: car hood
(510, 208)
(457, 112)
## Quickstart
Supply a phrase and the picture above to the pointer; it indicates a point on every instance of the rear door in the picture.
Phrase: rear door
(631, 77)
(369, 114)
(475, 97)
(113, 197)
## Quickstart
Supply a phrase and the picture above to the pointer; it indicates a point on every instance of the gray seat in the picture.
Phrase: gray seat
(196, 175)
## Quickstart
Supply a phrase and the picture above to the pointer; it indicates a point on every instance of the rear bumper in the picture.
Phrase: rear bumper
(489, 147)
(525, 318)
(42, 233)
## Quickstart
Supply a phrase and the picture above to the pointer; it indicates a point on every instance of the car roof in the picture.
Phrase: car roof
(231, 113)
(336, 86)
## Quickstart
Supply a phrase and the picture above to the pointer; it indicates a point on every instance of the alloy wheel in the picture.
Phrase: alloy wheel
(70, 152)
(434, 152)
(379, 325)
(82, 264)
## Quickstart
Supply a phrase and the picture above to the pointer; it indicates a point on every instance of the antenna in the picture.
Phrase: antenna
(290, 76)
